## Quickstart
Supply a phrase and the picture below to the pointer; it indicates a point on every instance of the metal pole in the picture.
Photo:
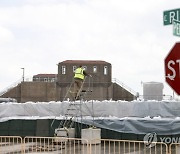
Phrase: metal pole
(23, 74)
(93, 112)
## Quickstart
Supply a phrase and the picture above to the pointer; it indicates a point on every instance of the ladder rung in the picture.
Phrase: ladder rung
(72, 92)
(69, 114)
(80, 91)
(71, 109)
(74, 104)
(86, 91)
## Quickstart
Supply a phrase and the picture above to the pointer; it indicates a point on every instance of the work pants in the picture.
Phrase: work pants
(77, 87)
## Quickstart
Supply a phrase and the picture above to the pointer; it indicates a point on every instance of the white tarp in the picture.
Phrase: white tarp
(118, 109)
(136, 117)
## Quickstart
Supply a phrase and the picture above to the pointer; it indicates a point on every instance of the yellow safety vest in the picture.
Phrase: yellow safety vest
(79, 73)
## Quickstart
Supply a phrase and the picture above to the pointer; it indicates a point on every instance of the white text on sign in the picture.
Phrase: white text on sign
(170, 66)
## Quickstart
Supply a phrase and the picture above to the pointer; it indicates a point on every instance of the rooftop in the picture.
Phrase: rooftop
(45, 75)
(84, 62)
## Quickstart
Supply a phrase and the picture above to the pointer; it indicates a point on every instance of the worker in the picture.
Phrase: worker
(79, 77)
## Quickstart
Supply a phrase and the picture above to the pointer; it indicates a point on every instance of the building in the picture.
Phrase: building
(100, 70)
(54, 87)
(101, 82)
(45, 77)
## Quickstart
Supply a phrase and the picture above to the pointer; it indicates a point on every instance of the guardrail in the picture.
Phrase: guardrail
(114, 80)
(61, 145)
(10, 87)
(11, 144)
(56, 145)
(174, 148)
(109, 146)
(15, 84)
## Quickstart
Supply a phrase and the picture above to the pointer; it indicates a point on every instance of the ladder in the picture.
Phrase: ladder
(74, 108)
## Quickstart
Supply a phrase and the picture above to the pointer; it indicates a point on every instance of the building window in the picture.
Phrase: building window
(45, 79)
(37, 79)
(85, 68)
(74, 68)
(105, 70)
(53, 80)
(63, 69)
(94, 69)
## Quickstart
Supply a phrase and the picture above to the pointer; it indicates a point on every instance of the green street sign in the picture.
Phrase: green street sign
(170, 15)
(176, 28)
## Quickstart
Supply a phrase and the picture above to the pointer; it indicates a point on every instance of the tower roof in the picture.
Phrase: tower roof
(84, 62)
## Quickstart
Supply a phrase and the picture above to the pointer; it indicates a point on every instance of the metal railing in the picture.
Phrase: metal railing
(61, 145)
(174, 148)
(114, 80)
(155, 97)
(11, 144)
(10, 87)
(109, 146)
(28, 78)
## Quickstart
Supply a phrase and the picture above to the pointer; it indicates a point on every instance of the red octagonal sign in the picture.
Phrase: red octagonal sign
(172, 68)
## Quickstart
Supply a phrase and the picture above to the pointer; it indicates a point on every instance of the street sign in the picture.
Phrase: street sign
(172, 68)
(176, 28)
(170, 15)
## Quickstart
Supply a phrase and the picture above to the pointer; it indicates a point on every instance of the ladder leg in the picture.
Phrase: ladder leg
(74, 107)
(80, 89)
(67, 92)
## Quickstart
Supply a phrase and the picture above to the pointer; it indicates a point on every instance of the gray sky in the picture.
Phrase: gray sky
(38, 34)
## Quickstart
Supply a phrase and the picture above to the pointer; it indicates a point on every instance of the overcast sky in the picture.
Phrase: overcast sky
(38, 34)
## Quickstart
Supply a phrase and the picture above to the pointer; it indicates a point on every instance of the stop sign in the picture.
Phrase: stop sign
(172, 68)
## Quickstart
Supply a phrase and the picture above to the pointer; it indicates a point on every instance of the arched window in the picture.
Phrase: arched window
(63, 70)
(105, 70)
(94, 69)
(74, 68)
